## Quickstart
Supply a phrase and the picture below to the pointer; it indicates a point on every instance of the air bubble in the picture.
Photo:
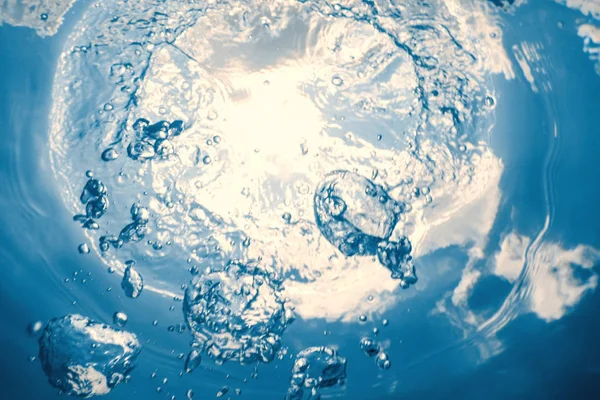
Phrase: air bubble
(383, 361)
(354, 214)
(83, 248)
(212, 115)
(192, 361)
(132, 282)
(237, 314)
(120, 319)
(222, 392)
(287, 217)
(206, 160)
(110, 154)
(316, 368)
(70, 365)
(337, 81)
(34, 328)
(362, 318)
(369, 347)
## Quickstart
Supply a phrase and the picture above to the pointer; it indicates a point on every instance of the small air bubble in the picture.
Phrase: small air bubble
(337, 81)
(362, 318)
(206, 160)
(110, 154)
(489, 101)
(83, 248)
(44, 16)
(120, 319)
(383, 361)
(34, 328)
(222, 392)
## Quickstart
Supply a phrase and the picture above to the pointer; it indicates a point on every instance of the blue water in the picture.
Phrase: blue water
(363, 200)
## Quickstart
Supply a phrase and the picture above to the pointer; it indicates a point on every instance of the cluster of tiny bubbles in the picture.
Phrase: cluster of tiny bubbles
(316, 368)
(120, 319)
(132, 232)
(179, 328)
(132, 283)
(237, 313)
(151, 141)
(358, 217)
(84, 358)
(95, 197)
(372, 349)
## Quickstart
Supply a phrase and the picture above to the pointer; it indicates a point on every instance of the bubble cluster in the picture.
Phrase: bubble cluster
(358, 217)
(95, 197)
(153, 140)
(316, 368)
(372, 349)
(237, 313)
(85, 358)
(132, 232)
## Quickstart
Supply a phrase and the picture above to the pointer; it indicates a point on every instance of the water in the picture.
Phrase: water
(358, 200)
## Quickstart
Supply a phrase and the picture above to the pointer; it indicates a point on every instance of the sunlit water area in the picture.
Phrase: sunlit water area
(299, 199)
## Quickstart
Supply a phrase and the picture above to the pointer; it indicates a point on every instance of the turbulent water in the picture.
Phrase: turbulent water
(292, 177)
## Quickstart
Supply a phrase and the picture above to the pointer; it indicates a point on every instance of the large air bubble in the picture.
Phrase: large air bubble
(85, 358)
(237, 314)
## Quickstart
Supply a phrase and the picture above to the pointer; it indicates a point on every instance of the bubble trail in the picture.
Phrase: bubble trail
(95, 197)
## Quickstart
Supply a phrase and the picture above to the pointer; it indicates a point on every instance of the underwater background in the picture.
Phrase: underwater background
(299, 199)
